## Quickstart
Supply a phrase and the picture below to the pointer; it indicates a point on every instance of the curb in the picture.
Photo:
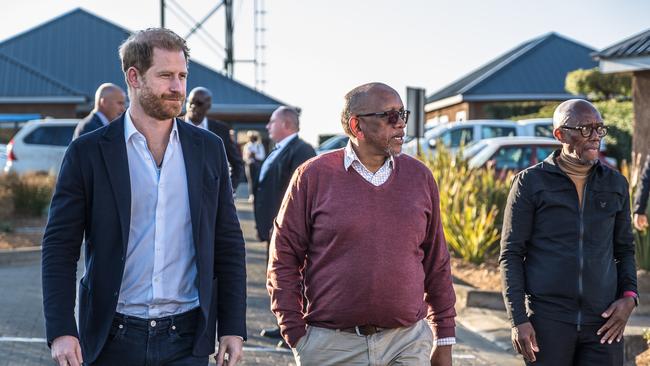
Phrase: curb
(20, 255)
(470, 297)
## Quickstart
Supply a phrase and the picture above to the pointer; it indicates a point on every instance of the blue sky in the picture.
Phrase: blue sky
(318, 50)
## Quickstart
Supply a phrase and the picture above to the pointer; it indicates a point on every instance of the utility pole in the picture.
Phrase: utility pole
(162, 13)
(229, 61)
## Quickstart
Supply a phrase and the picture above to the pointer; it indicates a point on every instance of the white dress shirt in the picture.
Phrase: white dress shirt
(274, 154)
(160, 274)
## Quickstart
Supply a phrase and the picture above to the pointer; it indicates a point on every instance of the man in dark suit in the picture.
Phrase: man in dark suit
(290, 151)
(110, 102)
(198, 105)
(164, 252)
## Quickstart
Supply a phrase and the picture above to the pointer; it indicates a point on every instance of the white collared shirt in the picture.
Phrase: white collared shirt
(160, 273)
(377, 178)
(203, 124)
(102, 117)
(275, 153)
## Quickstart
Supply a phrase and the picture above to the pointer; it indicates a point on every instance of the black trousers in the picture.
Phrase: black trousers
(561, 344)
(152, 342)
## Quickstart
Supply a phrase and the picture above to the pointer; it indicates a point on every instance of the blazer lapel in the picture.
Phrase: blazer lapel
(113, 148)
(192, 145)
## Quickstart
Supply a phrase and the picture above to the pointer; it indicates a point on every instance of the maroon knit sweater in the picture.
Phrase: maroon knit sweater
(367, 255)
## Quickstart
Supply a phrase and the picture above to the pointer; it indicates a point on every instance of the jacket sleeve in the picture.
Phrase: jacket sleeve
(287, 256)
(624, 246)
(229, 262)
(61, 247)
(236, 162)
(516, 232)
(439, 291)
(642, 190)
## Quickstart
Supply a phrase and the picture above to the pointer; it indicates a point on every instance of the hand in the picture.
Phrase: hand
(66, 351)
(231, 346)
(618, 313)
(524, 341)
(441, 356)
(640, 222)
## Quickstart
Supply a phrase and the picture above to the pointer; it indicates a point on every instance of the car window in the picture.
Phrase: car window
(457, 137)
(497, 131)
(335, 142)
(543, 152)
(50, 135)
(512, 157)
(545, 130)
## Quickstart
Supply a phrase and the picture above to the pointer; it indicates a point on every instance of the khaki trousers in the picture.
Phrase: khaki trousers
(401, 346)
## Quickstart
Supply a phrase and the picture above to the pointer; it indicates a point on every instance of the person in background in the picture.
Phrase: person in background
(199, 103)
(641, 198)
(253, 156)
(110, 103)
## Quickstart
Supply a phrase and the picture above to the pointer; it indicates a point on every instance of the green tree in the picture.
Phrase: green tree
(598, 86)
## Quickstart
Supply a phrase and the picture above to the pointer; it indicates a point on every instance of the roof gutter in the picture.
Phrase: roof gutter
(43, 100)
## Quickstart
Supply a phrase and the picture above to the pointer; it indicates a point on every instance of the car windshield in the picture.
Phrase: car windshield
(335, 142)
(473, 149)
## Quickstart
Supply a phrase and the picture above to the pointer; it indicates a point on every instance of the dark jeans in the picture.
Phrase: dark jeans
(252, 174)
(152, 342)
(560, 344)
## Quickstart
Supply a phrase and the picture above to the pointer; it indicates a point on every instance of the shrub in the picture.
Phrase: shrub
(30, 193)
(471, 205)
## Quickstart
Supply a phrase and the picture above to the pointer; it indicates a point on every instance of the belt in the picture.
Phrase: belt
(363, 330)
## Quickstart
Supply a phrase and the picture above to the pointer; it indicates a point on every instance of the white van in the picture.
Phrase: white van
(39, 146)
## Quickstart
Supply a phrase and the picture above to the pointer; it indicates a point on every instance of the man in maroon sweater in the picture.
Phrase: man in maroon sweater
(359, 232)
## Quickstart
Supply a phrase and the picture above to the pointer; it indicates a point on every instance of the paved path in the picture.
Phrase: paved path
(22, 331)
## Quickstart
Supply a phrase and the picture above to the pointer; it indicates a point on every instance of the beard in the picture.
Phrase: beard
(387, 146)
(156, 106)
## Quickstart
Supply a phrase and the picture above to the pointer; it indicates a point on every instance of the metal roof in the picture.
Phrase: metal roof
(73, 54)
(635, 46)
(535, 69)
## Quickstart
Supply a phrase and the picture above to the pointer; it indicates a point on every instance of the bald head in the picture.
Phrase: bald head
(573, 111)
(110, 100)
(199, 103)
(362, 98)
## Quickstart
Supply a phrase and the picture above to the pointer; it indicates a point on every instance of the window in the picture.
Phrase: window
(545, 130)
(51, 135)
(512, 158)
(457, 137)
(497, 131)
(543, 152)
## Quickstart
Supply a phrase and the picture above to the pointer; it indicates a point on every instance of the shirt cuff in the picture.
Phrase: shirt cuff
(448, 341)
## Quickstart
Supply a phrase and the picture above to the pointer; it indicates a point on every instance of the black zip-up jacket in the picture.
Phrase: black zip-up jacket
(571, 261)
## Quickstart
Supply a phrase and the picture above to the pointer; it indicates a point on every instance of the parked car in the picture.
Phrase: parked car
(39, 146)
(539, 127)
(456, 134)
(332, 143)
(510, 153)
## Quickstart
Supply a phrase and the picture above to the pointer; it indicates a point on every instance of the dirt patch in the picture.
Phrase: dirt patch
(22, 232)
(484, 276)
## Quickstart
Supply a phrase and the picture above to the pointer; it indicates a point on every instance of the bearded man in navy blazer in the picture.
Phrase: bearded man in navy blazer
(164, 254)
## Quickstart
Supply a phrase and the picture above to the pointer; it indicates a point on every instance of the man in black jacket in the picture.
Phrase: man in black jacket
(567, 250)
(641, 198)
(198, 104)
(289, 152)
(110, 103)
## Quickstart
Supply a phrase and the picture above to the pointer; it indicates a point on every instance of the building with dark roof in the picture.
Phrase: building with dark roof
(55, 68)
(632, 55)
(533, 72)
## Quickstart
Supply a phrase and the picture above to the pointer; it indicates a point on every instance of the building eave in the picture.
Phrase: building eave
(624, 64)
(43, 100)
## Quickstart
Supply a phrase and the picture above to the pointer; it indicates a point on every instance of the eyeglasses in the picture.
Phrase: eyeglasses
(393, 116)
(586, 131)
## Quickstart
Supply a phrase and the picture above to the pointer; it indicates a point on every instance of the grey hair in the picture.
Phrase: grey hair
(353, 102)
(291, 115)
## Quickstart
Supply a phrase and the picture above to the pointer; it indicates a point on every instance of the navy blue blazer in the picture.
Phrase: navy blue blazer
(270, 189)
(88, 124)
(92, 200)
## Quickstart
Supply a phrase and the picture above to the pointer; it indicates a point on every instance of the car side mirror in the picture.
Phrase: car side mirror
(432, 143)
